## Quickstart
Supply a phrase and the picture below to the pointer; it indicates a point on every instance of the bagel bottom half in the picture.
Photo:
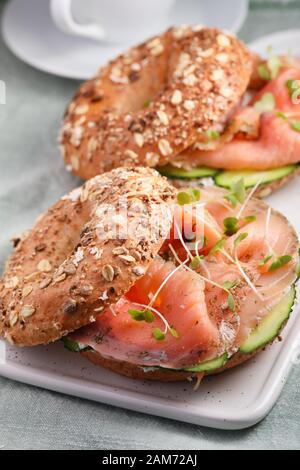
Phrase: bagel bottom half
(134, 371)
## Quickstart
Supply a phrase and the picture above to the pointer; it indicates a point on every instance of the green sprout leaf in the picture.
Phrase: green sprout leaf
(174, 333)
(295, 125)
(147, 103)
(189, 196)
(240, 238)
(281, 115)
(250, 218)
(230, 302)
(158, 334)
(141, 315)
(196, 262)
(271, 68)
(266, 103)
(229, 285)
(218, 246)
(264, 72)
(237, 193)
(231, 225)
(293, 87)
(211, 134)
(280, 262)
(264, 261)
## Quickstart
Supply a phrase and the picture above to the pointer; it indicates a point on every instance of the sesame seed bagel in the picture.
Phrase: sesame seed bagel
(68, 266)
(154, 101)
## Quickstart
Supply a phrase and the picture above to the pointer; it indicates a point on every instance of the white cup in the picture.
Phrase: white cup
(111, 20)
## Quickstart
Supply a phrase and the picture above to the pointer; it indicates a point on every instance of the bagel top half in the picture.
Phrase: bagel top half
(69, 265)
(154, 101)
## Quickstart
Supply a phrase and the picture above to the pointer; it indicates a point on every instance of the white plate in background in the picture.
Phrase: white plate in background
(234, 400)
(29, 32)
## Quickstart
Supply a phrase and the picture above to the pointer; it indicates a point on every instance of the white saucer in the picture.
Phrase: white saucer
(29, 32)
(282, 42)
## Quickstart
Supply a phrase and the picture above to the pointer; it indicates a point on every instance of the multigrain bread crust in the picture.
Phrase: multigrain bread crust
(261, 192)
(68, 267)
(147, 105)
(137, 372)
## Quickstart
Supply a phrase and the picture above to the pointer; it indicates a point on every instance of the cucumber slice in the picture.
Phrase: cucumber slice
(199, 172)
(271, 325)
(73, 345)
(226, 178)
(209, 365)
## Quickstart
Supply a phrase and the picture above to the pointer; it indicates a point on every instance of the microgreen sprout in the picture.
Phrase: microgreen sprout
(280, 262)
(212, 134)
(231, 225)
(295, 125)
(189, 196)
(264, 261)
(237, 193)
(270, 69)
(250, 218)
(158, 334)
(141, 315)
(266, 103)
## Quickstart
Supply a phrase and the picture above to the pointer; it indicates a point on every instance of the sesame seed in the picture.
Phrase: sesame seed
(45, 283)
(12, 283)
(223, 40)
(120, 250)
(190, 80)
(226, 92)
(27, 311)
(27, 290)
(74, 162)
(108, 273)
(153, 43)
(59, 278)
(189, 105)
(84, 195)
(92, 146)
(152, 158)
(163, 117)
(176, 97)
(127, 259)
(13, 318)
(157, 50)
(131, 154)
(165, 147)
(222, 57)
(82, 109)
(217, 74)
(189, 70)
(44, 266)
(139, 139)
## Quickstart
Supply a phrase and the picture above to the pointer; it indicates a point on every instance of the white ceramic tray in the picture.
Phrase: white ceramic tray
(234, 400)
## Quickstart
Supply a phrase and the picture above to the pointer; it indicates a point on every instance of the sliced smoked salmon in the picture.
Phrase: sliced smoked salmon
(195, 303)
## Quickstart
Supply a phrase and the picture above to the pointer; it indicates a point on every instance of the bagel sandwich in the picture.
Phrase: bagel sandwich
(151, 282)
(196, 104)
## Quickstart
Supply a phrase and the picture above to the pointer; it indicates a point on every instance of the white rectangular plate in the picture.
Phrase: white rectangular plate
(233, 400)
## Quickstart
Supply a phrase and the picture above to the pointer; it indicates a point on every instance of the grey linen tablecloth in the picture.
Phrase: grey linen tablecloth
(39, 419)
